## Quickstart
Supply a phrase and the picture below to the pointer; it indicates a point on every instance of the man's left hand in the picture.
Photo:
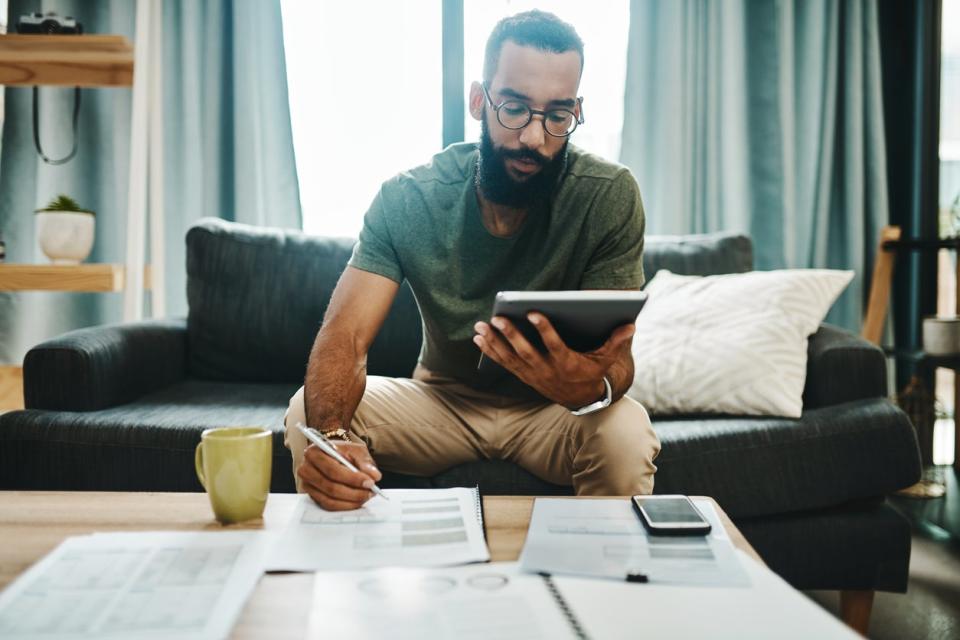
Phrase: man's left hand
(565, 376)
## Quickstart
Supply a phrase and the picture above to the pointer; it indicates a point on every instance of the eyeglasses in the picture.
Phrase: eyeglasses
(513, 114)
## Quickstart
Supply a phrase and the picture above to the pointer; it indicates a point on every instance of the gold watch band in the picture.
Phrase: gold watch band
(337, 434)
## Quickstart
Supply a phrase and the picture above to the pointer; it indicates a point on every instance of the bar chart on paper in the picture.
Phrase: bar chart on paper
(415, 527)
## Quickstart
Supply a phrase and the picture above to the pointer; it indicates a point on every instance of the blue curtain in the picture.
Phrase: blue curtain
(227, 138)
(763, 117)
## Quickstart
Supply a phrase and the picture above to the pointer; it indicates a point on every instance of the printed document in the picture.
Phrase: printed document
(188, 585)
(605, 538)
(415, 527)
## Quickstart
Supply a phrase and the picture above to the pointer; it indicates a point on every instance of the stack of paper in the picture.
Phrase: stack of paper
(604, 538)
(188, 585)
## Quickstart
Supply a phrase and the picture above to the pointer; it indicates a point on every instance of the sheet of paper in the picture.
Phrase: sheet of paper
(604, 538)
(770, 608)
(189, 585)
(476, 602)
(414, 528)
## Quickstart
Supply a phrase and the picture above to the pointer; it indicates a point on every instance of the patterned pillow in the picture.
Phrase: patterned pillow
(730, 344)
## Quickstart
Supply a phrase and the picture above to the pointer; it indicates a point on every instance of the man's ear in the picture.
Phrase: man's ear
(476, 101)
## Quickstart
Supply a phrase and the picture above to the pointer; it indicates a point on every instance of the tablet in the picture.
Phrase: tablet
(583, 319)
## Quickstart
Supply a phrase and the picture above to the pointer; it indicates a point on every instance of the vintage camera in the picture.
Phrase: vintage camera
(49, 24)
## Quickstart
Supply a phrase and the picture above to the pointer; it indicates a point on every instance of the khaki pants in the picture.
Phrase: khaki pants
(425, 425)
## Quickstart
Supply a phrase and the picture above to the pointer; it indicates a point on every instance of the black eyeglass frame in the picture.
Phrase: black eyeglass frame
(577, 120)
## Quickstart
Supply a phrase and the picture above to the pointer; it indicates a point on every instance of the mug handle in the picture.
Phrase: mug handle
(198, 463)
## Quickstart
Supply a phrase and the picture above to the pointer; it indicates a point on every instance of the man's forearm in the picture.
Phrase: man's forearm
(336, 378)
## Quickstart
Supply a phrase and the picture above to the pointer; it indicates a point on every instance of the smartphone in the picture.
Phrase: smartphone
(670, 516)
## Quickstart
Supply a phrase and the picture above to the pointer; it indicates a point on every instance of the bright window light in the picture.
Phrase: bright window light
(604, 34)
(3, 29)
(950, 83)
(364, 80)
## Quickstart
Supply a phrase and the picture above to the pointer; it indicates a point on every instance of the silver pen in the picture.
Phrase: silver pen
(330, 449)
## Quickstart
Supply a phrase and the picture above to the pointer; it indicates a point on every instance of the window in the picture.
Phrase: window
(949, 202)
(365, 103)
(3, 29)
(365, 91)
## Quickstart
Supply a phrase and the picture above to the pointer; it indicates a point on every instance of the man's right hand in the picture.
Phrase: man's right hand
(332, 485)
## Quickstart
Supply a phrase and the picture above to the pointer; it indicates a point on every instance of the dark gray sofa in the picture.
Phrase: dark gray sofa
(121, 407)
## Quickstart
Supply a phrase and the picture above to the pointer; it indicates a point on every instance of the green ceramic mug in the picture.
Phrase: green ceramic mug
(233, 465)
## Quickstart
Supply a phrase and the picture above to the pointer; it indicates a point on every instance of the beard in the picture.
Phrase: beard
(498, 186)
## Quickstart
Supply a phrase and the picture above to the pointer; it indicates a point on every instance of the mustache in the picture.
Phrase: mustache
(524, 154)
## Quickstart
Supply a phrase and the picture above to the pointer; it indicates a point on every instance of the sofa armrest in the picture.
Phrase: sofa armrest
(842, 367)
(100, 367)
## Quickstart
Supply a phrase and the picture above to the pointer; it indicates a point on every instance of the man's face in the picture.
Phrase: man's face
(519, 167)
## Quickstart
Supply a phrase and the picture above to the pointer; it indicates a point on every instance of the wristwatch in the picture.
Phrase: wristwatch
(602, 403)
(337, 434)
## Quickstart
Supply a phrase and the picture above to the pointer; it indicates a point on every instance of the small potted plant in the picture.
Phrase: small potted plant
(65, 230)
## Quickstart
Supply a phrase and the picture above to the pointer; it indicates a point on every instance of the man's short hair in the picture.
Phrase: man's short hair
(537, 29)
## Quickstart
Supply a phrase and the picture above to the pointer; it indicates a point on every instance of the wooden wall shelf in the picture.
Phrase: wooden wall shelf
(55, 277)
(71, 61)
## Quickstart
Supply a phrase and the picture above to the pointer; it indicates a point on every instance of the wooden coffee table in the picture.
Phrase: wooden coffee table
(32, 523)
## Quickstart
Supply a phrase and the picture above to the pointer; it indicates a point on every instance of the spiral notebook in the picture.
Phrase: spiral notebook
(414, 528)
(497, 600)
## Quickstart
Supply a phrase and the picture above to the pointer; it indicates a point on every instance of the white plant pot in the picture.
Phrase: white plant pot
(941, 336)
(66, 237)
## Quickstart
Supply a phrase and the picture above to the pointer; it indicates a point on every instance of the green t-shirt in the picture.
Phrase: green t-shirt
(425, 226)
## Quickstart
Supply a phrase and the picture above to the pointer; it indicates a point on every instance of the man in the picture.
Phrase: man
(524, 211)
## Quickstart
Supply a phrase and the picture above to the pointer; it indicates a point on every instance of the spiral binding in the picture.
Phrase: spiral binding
(478, 506)
(568, 613)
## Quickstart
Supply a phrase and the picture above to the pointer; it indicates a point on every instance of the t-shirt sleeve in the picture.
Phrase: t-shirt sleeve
(375, 251)
(617, 262)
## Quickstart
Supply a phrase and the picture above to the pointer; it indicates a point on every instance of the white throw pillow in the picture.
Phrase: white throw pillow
(731, 344)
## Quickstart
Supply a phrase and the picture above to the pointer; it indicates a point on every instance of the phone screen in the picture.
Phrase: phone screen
(669, 510)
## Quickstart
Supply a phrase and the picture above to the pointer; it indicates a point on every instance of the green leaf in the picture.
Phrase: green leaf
(64, 203)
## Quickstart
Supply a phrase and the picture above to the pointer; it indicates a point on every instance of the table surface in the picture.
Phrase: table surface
(32, 523)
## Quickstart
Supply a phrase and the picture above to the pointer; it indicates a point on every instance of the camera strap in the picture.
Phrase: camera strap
(36, 127)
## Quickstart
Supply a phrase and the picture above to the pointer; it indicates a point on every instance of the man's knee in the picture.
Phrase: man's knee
(618, 447)
(292, 438)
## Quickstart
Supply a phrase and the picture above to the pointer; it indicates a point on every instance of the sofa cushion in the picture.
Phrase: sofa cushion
(760, 466)
(705, 254)
(257, 298)
(752, 466)
(146, 445)
(732, 343)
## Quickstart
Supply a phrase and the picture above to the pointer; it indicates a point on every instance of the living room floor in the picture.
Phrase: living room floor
(931, 607)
